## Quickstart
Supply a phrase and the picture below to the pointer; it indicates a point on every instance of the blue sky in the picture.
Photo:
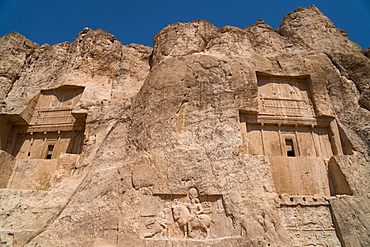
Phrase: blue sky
(55, 21)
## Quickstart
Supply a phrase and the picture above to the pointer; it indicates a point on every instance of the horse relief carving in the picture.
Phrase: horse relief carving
(190, 217)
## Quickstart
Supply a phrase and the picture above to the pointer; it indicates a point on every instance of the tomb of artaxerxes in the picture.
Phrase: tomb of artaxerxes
(298, 142)
(46, 128)
(213, 137)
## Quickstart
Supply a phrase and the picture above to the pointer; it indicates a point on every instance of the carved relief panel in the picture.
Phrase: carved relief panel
(186, 217)
(284, 96)
(308, 221)
(55, 106)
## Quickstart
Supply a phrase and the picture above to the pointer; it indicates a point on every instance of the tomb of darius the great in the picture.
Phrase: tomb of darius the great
(214, 137)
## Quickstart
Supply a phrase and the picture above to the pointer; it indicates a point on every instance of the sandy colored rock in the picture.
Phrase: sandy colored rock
(215, 137)
(14, 52)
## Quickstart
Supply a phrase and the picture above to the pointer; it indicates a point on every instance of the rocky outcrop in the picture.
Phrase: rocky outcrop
(215, 137)
(94, 58)
(312, 28)
(15, 50)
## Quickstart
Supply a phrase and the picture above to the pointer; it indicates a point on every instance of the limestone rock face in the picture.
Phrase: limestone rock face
(14, 51)
(311, 27)
(215, 137)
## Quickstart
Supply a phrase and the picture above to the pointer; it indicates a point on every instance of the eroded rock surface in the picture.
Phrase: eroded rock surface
(215, 137)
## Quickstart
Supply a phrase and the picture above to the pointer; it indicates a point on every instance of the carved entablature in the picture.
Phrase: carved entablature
(286, 200)
(53, 109)
(308, 221)
(286, 123)
(284, 96)
(287, 129)
(191, 216)
(47, 127)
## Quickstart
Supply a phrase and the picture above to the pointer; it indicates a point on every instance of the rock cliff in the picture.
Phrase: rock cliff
(214, 137)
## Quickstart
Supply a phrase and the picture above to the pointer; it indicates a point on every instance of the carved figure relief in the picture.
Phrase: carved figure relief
(190, 216)
(284, 96)
(186, 217)
(308, 221)
(159, 226)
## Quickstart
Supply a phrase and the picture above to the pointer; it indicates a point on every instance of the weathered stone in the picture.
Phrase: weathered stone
(14, 52)
(311, 28)
(215, 137)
